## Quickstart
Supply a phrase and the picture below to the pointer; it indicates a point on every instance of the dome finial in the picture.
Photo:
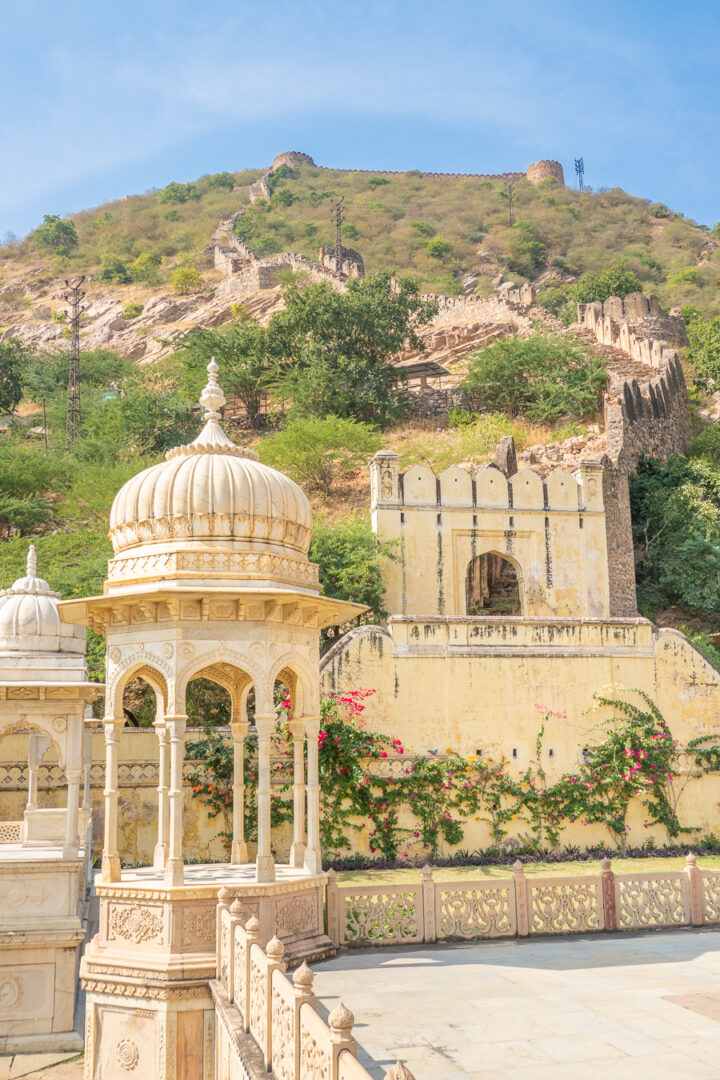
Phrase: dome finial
(212, 396)
(31, 566)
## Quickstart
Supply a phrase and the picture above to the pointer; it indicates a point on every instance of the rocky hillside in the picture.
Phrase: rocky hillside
(452, 232)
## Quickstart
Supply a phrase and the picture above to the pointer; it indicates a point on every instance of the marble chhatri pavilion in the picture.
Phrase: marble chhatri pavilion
(44, 693)
(211, 579)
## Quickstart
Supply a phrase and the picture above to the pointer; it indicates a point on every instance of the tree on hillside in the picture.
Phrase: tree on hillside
(15, 360)
(56, 235)
(704, 337)
(335, 350)
(676, 526)
(615, 281)
(542, 377)
(247, 370)
(317, 452)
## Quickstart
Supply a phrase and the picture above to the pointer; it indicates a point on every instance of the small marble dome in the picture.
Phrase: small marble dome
(29, 617)
(211, 491)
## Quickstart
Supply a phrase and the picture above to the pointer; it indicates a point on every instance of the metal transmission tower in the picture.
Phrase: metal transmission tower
(580, 170)
(73, 297)
(510, 180)
(337, 216)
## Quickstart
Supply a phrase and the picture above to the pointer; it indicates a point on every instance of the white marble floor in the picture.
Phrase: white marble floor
(630, 1006)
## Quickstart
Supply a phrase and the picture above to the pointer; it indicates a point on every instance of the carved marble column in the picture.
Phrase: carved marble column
(297, 850)
(313, 856)
(38, 746)
(239, 849)
(110, 858)
(87, 760)
(174, 868)
(265, 863)
(160, 855)
(70, 847)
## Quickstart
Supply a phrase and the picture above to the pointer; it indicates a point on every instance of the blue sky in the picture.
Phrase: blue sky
(106, 99)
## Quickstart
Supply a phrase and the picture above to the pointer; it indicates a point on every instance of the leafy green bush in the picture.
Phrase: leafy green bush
(132, 310)
(704, 338)
(543, 377)
(676, 526)
(56, 235)
(178, 193)
(378, 181)
(659, 210)
(689, 276)
(221, 180)
(58, 315)
(282, 197)
(317, 453)
(186, 280)
(335, 350)
(615, 281)
(423, 227)
(241, 349)
(113, 268)
(438, 247)
(15, 360)
(27, 476)
(145, 268)
(350, 557)
(556, 300)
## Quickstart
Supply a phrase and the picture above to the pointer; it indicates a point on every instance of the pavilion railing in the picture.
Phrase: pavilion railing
(521, 906)
(267, 1023)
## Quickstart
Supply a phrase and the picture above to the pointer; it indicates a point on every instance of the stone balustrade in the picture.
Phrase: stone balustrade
(521, 906)
(268, 1023)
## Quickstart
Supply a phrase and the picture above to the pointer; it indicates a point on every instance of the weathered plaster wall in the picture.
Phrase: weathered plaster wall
(552, 530)
(473, 684)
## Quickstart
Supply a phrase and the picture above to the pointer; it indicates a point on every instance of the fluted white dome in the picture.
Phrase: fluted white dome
(211, 491)
(29, 617)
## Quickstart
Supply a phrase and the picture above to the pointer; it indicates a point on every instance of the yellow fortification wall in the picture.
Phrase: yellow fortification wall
(448, 680)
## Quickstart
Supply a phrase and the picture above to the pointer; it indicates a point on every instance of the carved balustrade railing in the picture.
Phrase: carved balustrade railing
(521, 905)
(11, 832)
(266, 1020)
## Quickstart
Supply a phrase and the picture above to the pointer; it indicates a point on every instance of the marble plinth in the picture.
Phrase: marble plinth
(146, 972)
(41, 931)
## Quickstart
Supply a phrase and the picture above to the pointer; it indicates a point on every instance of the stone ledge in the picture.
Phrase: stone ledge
(244, 1045)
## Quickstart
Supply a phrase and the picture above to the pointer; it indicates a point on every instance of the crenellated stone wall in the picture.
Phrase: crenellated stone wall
(646, 406)
(535, 173)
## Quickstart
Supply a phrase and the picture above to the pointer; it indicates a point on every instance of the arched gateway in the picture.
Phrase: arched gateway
(210, 579)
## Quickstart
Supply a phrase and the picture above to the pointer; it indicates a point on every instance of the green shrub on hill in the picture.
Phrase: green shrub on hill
(335, 350)
(541, 377)
(242, 350)
(145, 268)
(704, 338)
(56, 235)
(318, 453)
(615, 281)
(676, 527)
(15, 361)
(350, 558)
(186, 280)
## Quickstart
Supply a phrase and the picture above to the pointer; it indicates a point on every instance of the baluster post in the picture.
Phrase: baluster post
(341, 1021)
(521, 900)
(695, 890)
(428, 905)
(607, 878)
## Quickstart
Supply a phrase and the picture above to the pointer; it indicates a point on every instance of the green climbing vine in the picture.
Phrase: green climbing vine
(420, 804)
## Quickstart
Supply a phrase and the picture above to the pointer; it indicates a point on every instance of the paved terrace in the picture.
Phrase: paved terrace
(632, 1006)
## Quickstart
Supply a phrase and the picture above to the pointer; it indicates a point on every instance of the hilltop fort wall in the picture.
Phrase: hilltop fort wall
(646, 411)
(535, 173)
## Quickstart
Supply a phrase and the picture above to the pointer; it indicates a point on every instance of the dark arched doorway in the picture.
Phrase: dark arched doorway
(492, 586)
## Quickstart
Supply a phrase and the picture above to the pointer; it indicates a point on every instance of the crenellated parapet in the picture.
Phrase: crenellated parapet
(549, 531)
(646, 406)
